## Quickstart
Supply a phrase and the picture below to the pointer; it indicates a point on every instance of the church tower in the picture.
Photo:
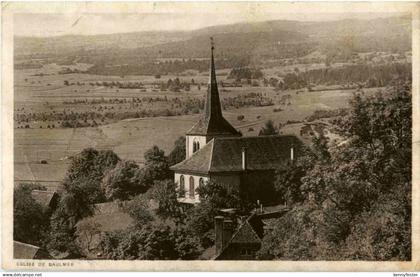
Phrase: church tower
(212, 123)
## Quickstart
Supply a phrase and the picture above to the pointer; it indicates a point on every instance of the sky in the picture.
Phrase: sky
(76, 23)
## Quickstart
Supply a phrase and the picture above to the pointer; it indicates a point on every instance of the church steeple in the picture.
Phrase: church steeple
(212, 106)
(212, 123)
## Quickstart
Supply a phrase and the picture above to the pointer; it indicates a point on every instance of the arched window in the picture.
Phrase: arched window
(196, 145)
(182, 186)
(201, 182)
(192, 187)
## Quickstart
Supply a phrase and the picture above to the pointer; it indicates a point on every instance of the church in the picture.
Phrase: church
(216, 151)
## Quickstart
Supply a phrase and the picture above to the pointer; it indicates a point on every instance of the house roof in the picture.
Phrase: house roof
(225, 154)
(245, 234)
(212, 121)
(27, 251)
(43, 197)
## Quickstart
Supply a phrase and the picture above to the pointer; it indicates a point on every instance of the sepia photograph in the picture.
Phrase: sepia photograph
(207, 132)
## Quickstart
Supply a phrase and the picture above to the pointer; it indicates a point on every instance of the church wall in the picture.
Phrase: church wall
(196, 178)
(190, 142)
(232, 180)
(259, 185)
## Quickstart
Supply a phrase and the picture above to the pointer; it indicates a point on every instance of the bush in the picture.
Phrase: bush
(30, 219)
(123, 181)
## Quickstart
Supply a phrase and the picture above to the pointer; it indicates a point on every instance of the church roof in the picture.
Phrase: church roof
(212, 121)
(224, 154)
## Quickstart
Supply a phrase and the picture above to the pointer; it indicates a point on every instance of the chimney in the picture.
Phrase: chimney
(227, 232)
(223, 229)
(244, 159)
(292, 154)
(218, 230)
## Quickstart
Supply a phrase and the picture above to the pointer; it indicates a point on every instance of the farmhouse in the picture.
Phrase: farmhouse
(216, 151)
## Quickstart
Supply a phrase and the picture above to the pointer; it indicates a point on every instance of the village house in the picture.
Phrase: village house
(216, 151)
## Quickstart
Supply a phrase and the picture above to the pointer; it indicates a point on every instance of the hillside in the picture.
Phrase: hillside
(238, 44)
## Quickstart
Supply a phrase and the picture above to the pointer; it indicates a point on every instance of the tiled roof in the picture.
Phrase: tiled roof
(215, 125)
(198, 162)
(225, 154)
(245, 234)
(27, 251)
(43, 197)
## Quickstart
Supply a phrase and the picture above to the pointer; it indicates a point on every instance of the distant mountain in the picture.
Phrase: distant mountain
(244, 42)
(71, 43)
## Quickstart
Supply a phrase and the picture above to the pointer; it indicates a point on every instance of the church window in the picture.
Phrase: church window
(182, 186)
(201, 182)
(198, 146)
(192, 187)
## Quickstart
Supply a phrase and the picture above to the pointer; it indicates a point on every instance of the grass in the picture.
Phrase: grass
(132, 137)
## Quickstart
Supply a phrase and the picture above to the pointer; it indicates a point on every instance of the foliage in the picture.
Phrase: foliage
(61, 237)
(268, 129)
(366, 75)
(73, 206)
(87, 170)
(81, 190)
(288, 182)
(356, 194)
(178, 152)
(139, 210)
(86, 235)
(30, 219)
(245, 73)
(152, 242)
(164, 192)
(186, 245)
(123, 181)
(214, 196)
(156, 167)
(319, 114)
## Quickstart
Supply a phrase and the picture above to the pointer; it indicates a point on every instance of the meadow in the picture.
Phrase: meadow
(43, 154)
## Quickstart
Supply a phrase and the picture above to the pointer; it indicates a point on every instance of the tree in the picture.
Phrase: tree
(87, 170)
(269, 129)
(30, 219)
(355, 193)
(288, 182)
(164, 192)
(75, 204)
(87, 234)
(139, 211)
(213, 197)
(123, 181)
(151, 242)
(156, 167)
(178, 153)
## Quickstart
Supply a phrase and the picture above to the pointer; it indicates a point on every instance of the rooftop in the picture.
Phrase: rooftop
(224, 154)
(28, 251)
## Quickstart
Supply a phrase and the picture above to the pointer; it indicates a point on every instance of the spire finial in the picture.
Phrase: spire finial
(212, 43)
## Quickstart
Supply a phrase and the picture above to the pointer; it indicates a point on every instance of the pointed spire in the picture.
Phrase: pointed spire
(212, 122)
(212, 107)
